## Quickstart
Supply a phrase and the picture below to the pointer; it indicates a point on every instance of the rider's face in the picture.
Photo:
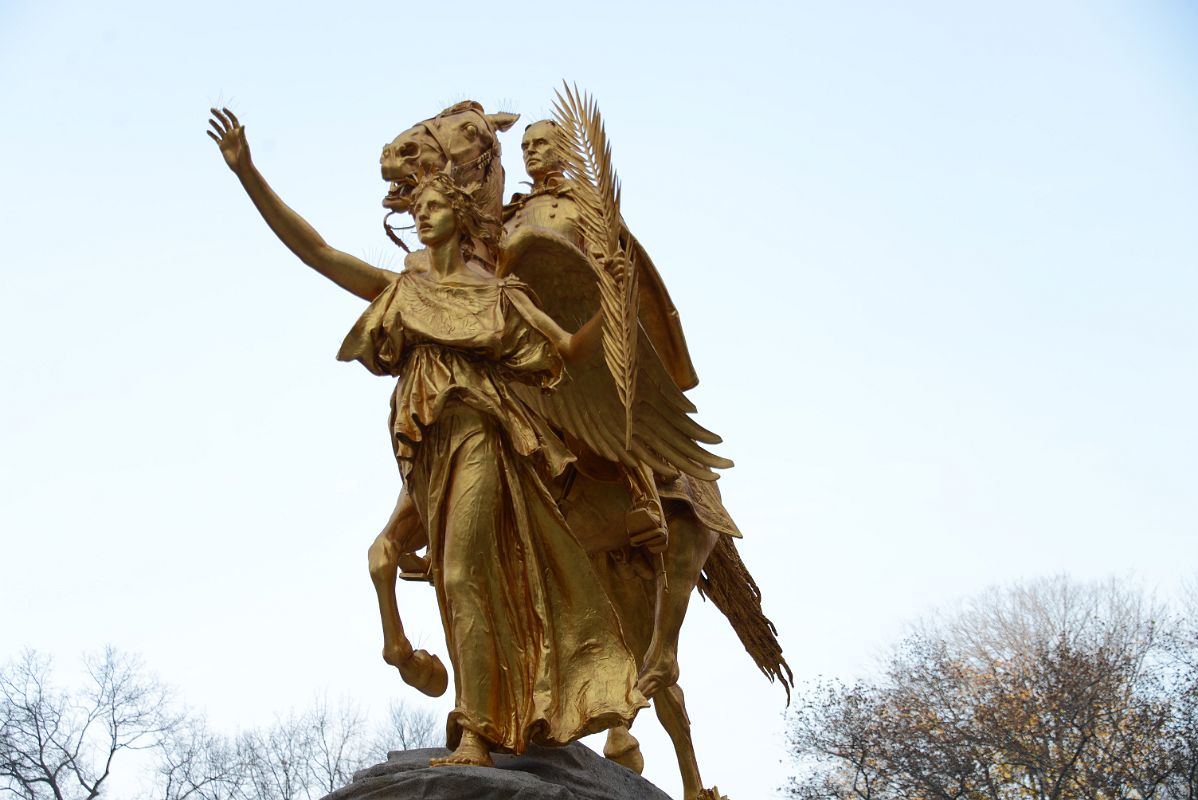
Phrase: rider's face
(539, 156)
(435, 222)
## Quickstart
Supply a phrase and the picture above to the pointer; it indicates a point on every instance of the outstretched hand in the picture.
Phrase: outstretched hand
(230, 136)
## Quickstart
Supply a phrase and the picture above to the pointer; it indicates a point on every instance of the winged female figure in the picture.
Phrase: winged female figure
(536, 648)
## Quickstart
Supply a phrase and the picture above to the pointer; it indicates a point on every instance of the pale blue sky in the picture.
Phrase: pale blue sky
(937, 264)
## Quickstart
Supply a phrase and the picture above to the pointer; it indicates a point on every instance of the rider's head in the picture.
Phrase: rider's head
(539, 146)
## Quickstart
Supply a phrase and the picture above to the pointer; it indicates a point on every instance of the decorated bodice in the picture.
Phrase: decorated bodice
(454, 340)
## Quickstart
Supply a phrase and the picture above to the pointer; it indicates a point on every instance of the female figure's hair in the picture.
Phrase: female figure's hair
(478, 228)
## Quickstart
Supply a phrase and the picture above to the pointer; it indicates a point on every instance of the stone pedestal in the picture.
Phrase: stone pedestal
(574, 772)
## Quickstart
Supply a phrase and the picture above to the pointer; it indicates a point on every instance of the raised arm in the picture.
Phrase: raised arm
(352, 274)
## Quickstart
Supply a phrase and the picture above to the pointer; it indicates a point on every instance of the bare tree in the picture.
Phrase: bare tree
(339, 741)
(62, 744)
(278, 759)
(300, 756)
(407, 727)
(1050, 691)
(196, 764)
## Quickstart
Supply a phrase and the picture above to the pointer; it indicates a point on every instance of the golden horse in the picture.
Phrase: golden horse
(650, 599)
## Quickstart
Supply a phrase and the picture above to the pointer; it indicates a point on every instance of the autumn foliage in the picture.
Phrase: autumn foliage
(1045, 692)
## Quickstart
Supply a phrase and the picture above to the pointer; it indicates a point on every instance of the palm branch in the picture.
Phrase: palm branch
(586, 158)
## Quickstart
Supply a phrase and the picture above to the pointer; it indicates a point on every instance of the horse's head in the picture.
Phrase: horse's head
(462, 135)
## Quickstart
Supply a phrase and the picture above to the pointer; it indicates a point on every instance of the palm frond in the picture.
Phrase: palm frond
(585, 155)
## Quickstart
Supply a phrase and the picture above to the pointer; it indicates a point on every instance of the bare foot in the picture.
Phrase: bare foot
(623, 748)
(472, 752)
(660, 672)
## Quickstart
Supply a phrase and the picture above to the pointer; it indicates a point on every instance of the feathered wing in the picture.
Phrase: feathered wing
(587, 403)
(658, 316)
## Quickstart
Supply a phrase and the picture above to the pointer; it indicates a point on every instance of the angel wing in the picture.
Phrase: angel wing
(587, 404)
(658, 316)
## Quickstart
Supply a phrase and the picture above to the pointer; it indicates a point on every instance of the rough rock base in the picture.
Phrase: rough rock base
(574, 772)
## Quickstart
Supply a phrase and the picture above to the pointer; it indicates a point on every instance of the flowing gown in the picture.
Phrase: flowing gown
(536, 647)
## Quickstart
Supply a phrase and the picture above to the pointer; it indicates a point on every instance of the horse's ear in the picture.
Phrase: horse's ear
(502, 120)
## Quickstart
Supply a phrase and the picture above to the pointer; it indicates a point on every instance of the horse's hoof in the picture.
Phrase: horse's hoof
(623, 748)
(425, 672)
(710, 794)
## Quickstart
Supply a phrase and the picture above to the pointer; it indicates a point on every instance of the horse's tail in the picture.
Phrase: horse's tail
(727, 582)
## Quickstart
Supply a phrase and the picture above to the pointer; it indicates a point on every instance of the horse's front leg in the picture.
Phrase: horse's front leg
(689, 545)
(403, 534)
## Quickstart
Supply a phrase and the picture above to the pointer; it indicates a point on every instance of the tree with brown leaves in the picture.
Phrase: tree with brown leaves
(1048, 691)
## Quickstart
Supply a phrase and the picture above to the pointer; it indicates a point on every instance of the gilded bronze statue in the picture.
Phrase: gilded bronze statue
(551, 471)
(700, 548)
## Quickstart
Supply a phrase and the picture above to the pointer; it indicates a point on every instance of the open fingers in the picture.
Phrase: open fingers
(220, 115)
(215, 138)
(232, 116)
(221, 131)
